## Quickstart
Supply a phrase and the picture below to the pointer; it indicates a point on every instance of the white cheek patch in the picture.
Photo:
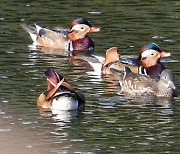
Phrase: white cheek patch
(147, 53)
(79, 26)
(75, 27)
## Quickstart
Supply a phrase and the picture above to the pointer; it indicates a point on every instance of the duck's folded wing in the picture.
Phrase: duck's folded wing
(129, 61)
(50, 38)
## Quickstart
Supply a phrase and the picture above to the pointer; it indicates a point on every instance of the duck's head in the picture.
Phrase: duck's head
(166, 84)
(167, 78)
(78, 31)
(55, 82)
(53, 78)
(150, 55)
(85, 22)
(79, 28)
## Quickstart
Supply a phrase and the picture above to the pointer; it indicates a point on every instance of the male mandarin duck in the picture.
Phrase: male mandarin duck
(148, 61)
(139, 84)
(73, 39)
(59, 94)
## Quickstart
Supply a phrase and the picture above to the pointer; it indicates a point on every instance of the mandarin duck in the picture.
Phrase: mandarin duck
(148, 61)
(59, 94)
(71, 39)
(139, 84)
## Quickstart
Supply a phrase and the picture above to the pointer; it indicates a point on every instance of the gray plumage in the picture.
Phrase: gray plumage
(138, 84)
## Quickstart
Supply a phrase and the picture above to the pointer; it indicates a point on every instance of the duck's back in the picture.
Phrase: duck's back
(49, 38)
(136, 84)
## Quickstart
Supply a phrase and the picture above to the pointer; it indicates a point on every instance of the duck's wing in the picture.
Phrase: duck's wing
(129, 61)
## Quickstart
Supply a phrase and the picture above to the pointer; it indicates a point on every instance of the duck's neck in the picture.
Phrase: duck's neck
(83, 44)
(155, 71)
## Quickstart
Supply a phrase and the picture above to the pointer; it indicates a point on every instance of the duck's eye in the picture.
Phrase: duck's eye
(82, 27)
(165, 77)
(152, 54)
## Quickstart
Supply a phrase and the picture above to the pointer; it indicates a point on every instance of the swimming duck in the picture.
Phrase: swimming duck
(59, 94)
(139, 84)
(149, 58)
(71, 39)
(148, 61)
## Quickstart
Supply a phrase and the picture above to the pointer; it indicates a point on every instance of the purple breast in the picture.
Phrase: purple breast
(83, 44)
(156, 70)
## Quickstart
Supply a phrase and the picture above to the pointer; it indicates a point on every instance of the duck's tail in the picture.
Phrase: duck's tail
(31, 30)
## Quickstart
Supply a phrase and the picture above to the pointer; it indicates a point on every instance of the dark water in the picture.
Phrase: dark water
(110, 123)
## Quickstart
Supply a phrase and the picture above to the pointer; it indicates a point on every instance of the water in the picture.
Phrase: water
(110, 123)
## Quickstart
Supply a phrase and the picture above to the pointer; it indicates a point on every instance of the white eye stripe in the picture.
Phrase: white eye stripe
(147, 52)
(75, 27)
(79, 27)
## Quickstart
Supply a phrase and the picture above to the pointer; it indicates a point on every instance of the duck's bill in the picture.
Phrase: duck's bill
(164, 54)
(94, 29)
(172, 85)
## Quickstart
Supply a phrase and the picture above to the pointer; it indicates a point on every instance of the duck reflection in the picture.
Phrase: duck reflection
(47, 50)
(61, 52)
(63, 115)
(58, 114)
(125, 100)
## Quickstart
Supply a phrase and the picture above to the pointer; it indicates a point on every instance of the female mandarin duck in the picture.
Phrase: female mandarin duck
(59, 94)
(139, 84)
(148, 61)
(74, 39)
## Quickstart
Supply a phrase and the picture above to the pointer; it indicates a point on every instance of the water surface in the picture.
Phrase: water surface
(110, 123)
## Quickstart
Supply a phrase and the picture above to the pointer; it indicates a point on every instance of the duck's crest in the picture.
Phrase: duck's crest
(53, 78)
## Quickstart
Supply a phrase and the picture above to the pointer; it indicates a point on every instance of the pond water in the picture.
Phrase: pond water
(110, 123)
